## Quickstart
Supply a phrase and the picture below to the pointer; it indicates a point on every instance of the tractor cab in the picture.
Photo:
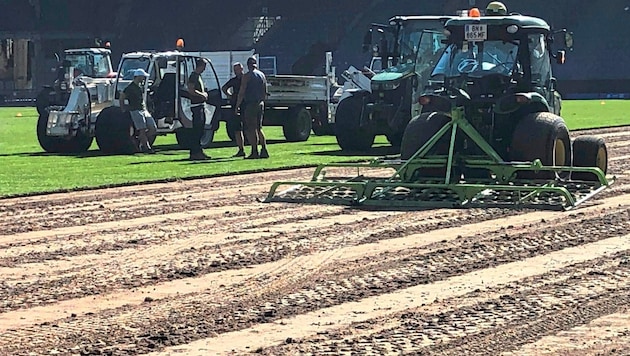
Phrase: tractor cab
(89, 62)
(490, 57)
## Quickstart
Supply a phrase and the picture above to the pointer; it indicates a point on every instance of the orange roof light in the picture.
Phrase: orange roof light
(474, 12)
(180, 43)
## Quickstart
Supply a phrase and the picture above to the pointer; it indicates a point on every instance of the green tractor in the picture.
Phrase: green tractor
(408, 47)
(489, 132)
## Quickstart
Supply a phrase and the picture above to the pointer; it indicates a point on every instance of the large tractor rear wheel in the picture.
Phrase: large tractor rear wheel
(419, 131)
(115, 133)
(77, 144)
(350, 134)
(298, 124)
(589, 151)
(542, 136)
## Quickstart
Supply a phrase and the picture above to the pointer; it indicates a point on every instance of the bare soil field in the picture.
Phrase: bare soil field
(203, 267)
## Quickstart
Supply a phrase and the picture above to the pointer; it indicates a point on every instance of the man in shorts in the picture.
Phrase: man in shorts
(235, 124)
(252, 95)
(142, 121)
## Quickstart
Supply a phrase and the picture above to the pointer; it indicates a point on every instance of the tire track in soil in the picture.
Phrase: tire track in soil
(112, 205)
(515, 315)
(381, 277)
(134, 269)
(603, 336)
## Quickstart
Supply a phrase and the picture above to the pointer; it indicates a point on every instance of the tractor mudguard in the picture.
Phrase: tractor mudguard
(533, 101)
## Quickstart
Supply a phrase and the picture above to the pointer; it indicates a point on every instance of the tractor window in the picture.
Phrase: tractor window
(411, 34)
(429, 51)
(539, 58)
(82, 63)
(477, 59)
(102, 66)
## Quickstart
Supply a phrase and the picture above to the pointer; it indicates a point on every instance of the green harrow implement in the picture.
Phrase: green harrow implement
(395, 183)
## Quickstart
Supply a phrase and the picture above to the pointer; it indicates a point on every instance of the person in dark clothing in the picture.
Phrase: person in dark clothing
(252, 95)
(198, 97)
(142, 120)
(231, 89)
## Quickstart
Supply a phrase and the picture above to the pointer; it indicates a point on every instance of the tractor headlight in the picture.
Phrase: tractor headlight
(512, 29)
(390, 85)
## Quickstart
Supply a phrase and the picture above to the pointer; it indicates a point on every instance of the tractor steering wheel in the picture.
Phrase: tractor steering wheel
(467, 65)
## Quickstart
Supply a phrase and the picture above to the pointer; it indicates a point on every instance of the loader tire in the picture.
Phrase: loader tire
(419, 130)
(589, 151)
(115, 133)
(43, 101)
(298, 124)
(350, 135)
(543, 136)
(77, 144)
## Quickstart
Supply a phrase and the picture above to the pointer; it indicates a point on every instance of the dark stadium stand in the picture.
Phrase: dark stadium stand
(304, 31)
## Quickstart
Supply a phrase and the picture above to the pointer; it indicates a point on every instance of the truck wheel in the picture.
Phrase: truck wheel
(350, 135)
(419, 130)
(589, 151)
(543, 136)
(77, 144)
(321, 127)
(298, 124)
(115, 133)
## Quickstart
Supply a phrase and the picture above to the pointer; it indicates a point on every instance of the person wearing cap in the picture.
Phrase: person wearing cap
(231, 89)
(252, 95)
(496, 8)
(198, 97)
(142, 120)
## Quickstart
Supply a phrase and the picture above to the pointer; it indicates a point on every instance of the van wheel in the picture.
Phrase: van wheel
(115, 133)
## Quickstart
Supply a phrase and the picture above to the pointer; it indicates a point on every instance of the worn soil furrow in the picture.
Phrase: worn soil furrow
(301, 296)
